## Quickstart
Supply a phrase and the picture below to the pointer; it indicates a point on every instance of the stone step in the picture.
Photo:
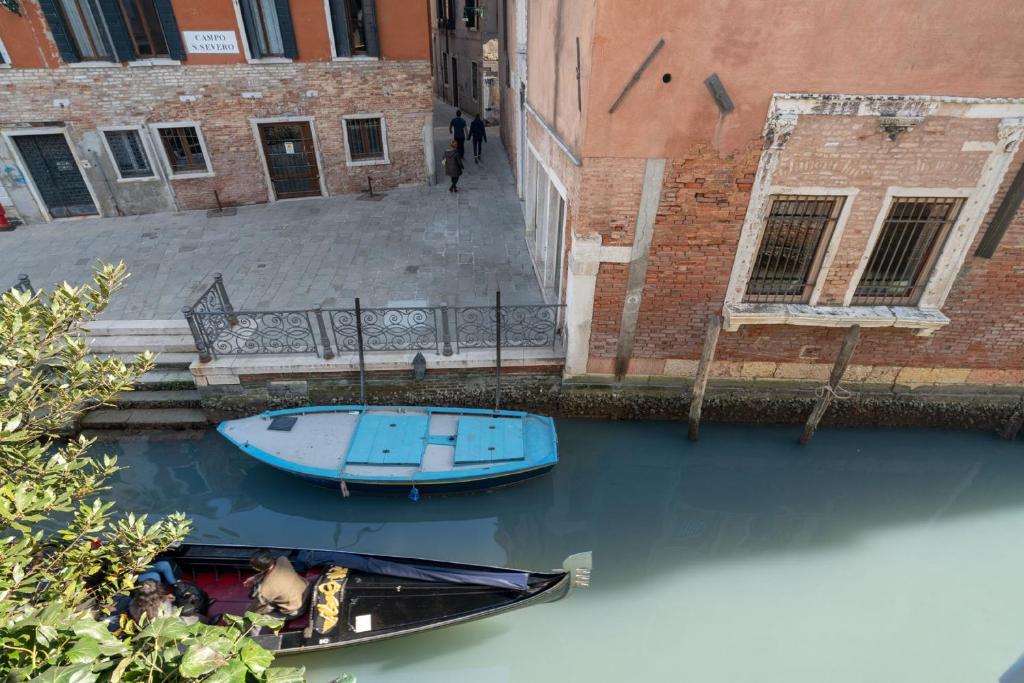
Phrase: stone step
(170, 343)
(163, 360)
(120, 328)
(159, 398)
(146, 418)
(164, 378)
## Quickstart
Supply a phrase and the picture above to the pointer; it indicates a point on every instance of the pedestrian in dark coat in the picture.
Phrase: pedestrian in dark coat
(478, 134)
(457, 128)
(453, 165)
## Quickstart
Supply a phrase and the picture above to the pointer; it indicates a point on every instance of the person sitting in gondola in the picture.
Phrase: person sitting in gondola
(277, 590)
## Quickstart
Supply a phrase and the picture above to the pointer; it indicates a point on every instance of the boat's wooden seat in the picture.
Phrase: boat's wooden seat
(389, 440)
(485, 439)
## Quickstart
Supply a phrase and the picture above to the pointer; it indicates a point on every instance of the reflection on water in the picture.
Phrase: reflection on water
(870, 555)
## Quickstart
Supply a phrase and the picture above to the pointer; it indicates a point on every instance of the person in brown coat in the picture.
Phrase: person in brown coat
(277, 590)
(453, 165)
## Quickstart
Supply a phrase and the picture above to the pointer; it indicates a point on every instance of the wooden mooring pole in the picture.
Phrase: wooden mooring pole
(829, 391)
(700, 382)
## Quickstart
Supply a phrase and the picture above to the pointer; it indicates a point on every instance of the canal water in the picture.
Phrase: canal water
(871, 555)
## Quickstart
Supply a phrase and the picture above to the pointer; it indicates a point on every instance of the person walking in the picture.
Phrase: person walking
(457, 128)
(453, 165)
(478, 134)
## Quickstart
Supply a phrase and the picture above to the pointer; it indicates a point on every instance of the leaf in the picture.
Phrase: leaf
(263, 620)
(45, 634)
(286, 674)
(85, 651)
(234, 672)
(165, 628)
(118, 672)
(255, 657)
(79, 673)
(199, 660)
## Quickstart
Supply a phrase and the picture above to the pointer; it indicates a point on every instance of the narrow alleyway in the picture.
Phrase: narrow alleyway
(418, 244)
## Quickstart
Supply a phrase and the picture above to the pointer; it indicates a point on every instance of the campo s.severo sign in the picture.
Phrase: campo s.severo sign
(211, 42)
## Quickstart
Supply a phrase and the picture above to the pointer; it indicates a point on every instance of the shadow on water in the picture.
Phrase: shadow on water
(639, 495)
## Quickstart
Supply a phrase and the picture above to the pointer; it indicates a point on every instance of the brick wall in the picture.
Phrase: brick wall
(324, 91)
(704, 200)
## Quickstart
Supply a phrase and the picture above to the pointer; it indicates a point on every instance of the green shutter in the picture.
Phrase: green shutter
(65, 45)
(284, 20)
(169, 27)
(250, 29)
(370, 25)
(339, 25)
(123, 49)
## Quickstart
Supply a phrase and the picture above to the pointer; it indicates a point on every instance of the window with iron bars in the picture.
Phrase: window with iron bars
(184, 150)
(128, 153)
(796, 234)
(910, 241)
(365, 139)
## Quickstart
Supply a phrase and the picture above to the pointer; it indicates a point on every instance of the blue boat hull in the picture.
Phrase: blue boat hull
(427, 488)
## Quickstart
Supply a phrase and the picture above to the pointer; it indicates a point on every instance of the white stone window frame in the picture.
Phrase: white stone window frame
(383, 136)
(334, 44)
(144, 139)
(255, 124)
(926, 316)
(244, 40)
(155, 129)
(849, 195)
(7, 136)
(4, 56)
(894, 193)
(554, 182)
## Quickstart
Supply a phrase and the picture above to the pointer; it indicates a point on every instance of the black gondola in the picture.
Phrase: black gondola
(358, 598)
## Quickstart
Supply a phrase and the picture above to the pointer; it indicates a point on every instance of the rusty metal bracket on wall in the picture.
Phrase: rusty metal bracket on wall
(636, 75)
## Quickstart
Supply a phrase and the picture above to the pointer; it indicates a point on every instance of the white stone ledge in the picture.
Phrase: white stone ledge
(925, 321)
(228, 369)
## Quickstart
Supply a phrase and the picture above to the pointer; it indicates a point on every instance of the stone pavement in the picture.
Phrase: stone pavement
(419, 244)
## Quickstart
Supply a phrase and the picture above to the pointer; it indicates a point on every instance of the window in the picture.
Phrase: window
(910, 240)
(476, 81)
(364, 137)
(268, 29)
(184, 150)
(128, 153)
(5, 59)
(84, 23)
(143, 25)
(471, 15)
(444, 66)
(796, 234)
(354, 26)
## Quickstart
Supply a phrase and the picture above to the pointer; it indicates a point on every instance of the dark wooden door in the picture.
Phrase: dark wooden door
(291, 159)
(455, 82)
(56, 175)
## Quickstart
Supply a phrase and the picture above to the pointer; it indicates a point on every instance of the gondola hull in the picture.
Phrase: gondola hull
(357, 598)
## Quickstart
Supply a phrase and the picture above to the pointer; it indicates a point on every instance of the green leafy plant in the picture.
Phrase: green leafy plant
(64, 552)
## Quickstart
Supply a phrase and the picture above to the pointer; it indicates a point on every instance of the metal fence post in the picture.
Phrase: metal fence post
(446, 335)
(362, 364)
(497, 350)
(222, 293)
(25, 285)
(324, 340)
(197, 335)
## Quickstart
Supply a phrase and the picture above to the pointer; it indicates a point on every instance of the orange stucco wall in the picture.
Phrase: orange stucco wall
(554, 27)
(918, 47)
(403, 26)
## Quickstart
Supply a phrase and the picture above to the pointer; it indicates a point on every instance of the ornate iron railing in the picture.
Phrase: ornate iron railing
(387, 329)
(532, 326)
(219, 330)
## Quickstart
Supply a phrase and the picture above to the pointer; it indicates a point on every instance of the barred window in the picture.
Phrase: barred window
(796, 234)
(128, 153)
(184, 150)
(910, 241)
(365, 139)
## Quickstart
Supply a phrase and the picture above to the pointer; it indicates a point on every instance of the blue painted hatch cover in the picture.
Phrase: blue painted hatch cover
(489, 439)
(389, 440)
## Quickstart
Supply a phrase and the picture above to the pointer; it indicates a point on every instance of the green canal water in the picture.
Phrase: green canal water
(871, 555)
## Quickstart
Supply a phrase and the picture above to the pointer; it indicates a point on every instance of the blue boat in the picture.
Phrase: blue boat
(398, 449)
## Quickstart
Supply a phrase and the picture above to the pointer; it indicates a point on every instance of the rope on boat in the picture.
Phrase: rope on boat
(839, 393)
(343, 486)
